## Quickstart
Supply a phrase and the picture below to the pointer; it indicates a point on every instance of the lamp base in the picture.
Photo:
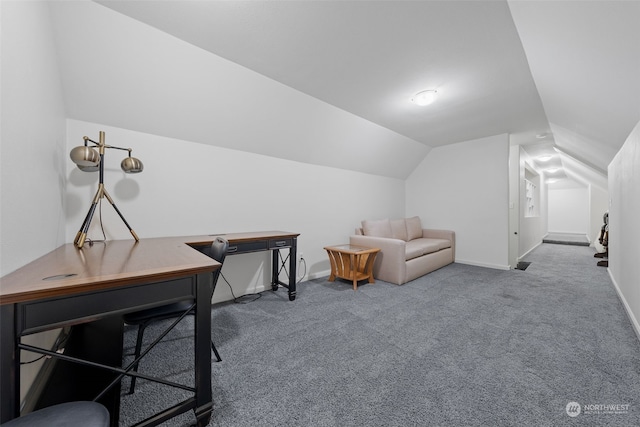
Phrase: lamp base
(81, 236)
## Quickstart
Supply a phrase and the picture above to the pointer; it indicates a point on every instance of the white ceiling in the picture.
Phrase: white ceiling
(569, 70)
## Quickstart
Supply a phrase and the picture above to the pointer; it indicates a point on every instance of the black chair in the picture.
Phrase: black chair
(144, 318)
(86, 414)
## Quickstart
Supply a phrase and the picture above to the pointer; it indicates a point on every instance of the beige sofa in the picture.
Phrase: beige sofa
(407, 251)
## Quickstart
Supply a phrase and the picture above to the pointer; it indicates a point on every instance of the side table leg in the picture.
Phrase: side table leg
(369, 266)
(355, 261)
(334, 267)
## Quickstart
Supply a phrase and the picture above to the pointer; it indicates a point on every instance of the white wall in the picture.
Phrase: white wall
(598, 205)
(464, 187)
(624, 227)
(188, 188)
(568, 210)
(32, 149)
(33, 139)
(531, 228)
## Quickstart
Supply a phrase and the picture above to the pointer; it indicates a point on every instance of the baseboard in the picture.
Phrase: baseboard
(529, 251)
(482, 264)
(632, 317)
(318, 275)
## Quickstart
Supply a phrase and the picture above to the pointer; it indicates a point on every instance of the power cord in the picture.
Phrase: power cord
(104, 235)
(283, 262)
(60, 342)
(302, 261)
(239, 300)
(256, 296)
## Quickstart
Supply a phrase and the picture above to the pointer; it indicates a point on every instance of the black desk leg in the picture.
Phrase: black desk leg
(293, 255)
(9, 365)
(204, 404)
(275, 270)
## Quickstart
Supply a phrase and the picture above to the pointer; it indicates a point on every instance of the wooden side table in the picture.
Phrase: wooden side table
(352, 262)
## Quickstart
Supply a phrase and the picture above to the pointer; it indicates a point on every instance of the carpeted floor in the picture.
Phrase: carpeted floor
(462, 346)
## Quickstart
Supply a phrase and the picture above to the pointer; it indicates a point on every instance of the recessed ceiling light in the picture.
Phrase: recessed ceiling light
(551, 181)
(545, 158)
(542, 135)
(552, 170)
(425, 97)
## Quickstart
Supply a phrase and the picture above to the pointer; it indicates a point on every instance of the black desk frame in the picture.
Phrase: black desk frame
(40, 315)
(269, 243)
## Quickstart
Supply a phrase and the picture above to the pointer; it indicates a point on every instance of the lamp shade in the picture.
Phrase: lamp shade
(94, 168)
(85, 156)
(131, 165)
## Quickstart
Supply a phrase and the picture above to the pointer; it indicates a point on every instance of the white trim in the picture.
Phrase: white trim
(318, 275)
(529, 251)
(632, 318)
(482, 264)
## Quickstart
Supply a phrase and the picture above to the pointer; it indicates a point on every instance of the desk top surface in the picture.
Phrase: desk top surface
(68, 270)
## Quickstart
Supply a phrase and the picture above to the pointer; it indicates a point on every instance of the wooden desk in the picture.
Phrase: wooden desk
(71, 286)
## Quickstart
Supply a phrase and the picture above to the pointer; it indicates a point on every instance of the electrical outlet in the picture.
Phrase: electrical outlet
(301, 256)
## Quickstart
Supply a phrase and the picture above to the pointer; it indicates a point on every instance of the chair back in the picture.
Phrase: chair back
(218, 251)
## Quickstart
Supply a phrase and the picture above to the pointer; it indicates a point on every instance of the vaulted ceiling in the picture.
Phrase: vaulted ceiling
(551, 74)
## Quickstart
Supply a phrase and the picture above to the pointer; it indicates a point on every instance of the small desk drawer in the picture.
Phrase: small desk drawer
(280, 243)
(244, 247)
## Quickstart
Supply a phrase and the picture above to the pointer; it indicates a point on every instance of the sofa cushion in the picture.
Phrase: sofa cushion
(417, 247)
(442, 243)
(377, 228)
(414, 228)
(399, 229)
(413, 249)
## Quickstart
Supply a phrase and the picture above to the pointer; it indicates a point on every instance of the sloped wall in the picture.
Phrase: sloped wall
(624, 227)
(123, 73)
(188, 188)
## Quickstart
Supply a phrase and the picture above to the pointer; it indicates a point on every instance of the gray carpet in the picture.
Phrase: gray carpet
(462, 346)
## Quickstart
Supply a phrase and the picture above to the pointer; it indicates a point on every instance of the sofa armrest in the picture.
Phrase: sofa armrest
(390, 264)
(386, 245)
(441, 234)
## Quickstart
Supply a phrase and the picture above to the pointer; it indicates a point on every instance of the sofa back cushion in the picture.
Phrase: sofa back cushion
(377, 228)
(399, 229)
(414, 228)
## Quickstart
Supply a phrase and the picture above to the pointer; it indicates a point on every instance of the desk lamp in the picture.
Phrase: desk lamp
(89, 160)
